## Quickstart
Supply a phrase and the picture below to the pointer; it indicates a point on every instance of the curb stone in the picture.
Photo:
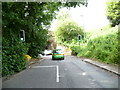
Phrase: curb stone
(36, 62)
(103, 67)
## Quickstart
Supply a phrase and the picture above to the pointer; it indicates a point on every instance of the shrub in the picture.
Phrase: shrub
(13, 59)
(103, 46)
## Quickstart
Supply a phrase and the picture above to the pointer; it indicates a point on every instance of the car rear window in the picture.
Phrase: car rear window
(57, 51)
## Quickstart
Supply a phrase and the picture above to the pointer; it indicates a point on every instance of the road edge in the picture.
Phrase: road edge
(27, 67)
(115, 72)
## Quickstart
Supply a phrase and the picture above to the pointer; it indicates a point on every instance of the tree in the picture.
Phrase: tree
(67, 31)
(33, 17)
(113, 12)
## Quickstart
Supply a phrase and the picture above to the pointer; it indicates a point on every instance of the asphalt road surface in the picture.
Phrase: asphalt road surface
(69, 73)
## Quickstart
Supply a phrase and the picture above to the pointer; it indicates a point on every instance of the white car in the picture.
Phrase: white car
(47, 52)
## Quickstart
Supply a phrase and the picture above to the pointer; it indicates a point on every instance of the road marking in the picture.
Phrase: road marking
(41, 66)
(57, 70)
(57, 78)
(84, 73)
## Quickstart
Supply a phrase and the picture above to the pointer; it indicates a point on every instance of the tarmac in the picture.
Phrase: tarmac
(109, 67)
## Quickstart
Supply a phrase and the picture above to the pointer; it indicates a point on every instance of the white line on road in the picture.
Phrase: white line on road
(41, 66)
(57, 78)
(57, 70)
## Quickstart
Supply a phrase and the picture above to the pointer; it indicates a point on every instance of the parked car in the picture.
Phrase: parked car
(47, 52)
(57, 54)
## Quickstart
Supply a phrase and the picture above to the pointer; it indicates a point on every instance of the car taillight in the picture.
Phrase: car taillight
(52, 54)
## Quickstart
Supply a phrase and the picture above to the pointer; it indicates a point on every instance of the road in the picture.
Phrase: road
(69, 73)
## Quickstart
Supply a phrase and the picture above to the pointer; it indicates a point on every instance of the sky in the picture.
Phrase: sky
(90, 17)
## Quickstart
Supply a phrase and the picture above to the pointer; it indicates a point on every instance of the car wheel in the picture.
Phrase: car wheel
(53, 58)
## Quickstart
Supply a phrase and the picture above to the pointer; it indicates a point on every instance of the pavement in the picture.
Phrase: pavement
(109, 67)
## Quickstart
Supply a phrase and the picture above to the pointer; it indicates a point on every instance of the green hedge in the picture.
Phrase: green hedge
(103, 47)
(13, 59)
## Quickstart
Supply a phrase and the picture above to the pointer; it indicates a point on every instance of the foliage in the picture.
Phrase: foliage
(104, 47)
(113, 12)
(37, 43)
(63, 14)
(33, 17)
(13, 59)
(67, 31)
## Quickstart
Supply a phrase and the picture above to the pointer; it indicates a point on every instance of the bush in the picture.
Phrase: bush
(103, 48)
(13, 59)
(75, 49)
(102, 45)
